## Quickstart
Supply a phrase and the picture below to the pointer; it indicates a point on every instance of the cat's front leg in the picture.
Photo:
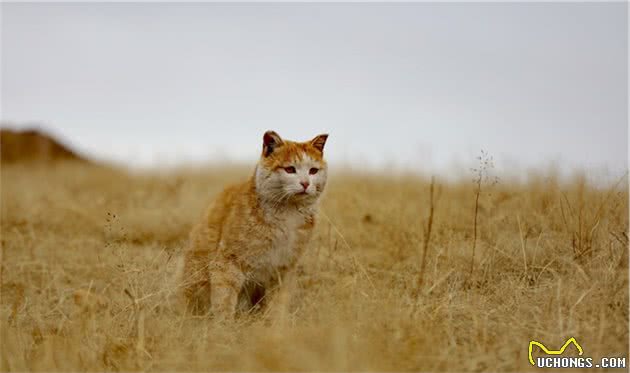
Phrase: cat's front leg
(226, 281)
(285, 287)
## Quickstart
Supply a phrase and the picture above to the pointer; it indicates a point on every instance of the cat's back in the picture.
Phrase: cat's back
(231, 201)
(236, 203)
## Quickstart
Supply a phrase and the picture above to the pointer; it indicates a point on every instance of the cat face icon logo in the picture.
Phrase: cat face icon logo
(553, 352)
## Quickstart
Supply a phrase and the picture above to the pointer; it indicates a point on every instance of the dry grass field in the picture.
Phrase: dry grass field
(88, 255)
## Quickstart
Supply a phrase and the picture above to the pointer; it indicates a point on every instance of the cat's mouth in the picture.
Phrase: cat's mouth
(303, 193)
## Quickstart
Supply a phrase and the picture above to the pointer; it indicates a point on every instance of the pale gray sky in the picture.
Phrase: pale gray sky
(422, 85)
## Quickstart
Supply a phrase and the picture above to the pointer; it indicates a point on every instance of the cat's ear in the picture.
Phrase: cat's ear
(319, 141)
(271, 140)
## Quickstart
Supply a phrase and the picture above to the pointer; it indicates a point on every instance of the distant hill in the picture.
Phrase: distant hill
(33, 145)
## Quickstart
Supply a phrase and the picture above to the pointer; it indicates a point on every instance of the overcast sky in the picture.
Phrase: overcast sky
(421, 85)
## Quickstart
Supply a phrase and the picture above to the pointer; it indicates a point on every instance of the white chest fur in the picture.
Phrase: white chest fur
(283, 251)
(285, 237)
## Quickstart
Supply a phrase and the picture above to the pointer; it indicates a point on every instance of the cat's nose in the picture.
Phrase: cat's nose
(305, 184)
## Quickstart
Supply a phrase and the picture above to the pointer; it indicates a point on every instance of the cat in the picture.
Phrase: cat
(254, 232)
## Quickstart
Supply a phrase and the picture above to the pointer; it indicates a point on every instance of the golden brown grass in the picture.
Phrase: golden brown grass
(88, 254)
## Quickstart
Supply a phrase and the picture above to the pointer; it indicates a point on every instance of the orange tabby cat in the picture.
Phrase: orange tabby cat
(255, 231)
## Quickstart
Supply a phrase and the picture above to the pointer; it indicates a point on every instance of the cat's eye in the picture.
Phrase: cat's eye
(289, 170)
(313, 171)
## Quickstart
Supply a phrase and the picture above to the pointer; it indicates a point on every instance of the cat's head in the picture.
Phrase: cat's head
(291, 171)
